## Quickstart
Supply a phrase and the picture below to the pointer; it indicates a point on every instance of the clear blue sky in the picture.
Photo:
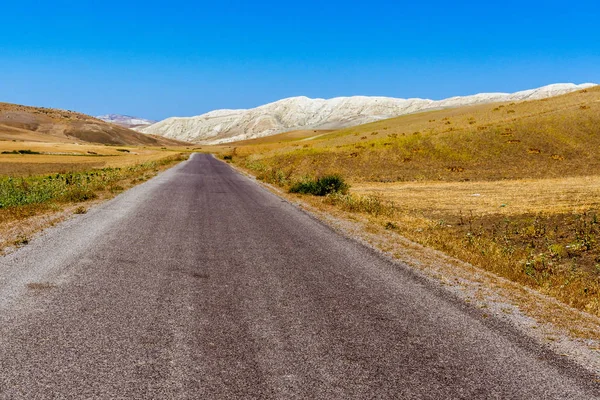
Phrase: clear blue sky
(157, 59)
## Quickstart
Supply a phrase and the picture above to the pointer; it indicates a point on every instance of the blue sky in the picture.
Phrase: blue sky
(158, 59)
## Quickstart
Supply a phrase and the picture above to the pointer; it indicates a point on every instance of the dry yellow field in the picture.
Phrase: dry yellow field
(302, 134)
(509, 197)
(71, 157)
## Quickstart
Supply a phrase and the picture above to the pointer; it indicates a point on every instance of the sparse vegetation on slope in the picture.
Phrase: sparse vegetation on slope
(507, 187)
(41, 124)
(547, 138)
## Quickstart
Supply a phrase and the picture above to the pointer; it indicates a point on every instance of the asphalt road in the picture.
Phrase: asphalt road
(201, 284)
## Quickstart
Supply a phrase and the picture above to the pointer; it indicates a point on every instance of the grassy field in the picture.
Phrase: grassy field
(547, 241)
(438, 200)
(33, 158)
(511, 188)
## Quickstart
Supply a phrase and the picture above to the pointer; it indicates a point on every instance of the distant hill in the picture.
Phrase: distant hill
(297, 113)
(40, 124)
(126, 121)
(547, 138)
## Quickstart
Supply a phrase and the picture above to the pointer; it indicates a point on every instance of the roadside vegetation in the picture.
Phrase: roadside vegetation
(555, 253)
(321, 186)
(510, 188)
(25, 197)
(73, 187)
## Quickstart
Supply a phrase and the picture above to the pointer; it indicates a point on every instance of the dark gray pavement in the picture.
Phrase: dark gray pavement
(201, 284)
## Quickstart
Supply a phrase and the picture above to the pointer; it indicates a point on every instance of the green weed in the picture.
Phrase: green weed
(321, 186)
(70, 187)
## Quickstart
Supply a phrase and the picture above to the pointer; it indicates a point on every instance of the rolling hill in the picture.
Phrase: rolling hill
(38, 124)
(297, 113)
(546, 138)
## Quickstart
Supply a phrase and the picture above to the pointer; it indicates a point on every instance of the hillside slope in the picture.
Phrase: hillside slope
(553, 137)
(224, 126)
(40, 124)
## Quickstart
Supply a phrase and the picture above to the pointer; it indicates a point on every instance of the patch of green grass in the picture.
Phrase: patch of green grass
(116, 188)
(70, 187)
(321, 186)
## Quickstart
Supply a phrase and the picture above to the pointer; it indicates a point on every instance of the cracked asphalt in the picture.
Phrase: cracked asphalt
(201, 284)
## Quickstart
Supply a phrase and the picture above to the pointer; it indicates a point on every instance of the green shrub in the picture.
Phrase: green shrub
(21, 152)
(321, 186)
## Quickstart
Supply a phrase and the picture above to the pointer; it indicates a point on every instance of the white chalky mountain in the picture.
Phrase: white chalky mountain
(224, 126)
(126, 121)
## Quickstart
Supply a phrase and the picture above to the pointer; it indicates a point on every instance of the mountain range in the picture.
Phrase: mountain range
(126, 121)
(224, 126)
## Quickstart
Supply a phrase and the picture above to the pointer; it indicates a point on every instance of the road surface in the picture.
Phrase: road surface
(201, 284)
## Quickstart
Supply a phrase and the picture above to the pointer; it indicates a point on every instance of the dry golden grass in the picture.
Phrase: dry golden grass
(555, 253)
(510, 188)
(303, 134)
(453, 272)
(39, 124)
(540, 139)
(72, 157)
(58, 148)
(508, 197)
(540, 232)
